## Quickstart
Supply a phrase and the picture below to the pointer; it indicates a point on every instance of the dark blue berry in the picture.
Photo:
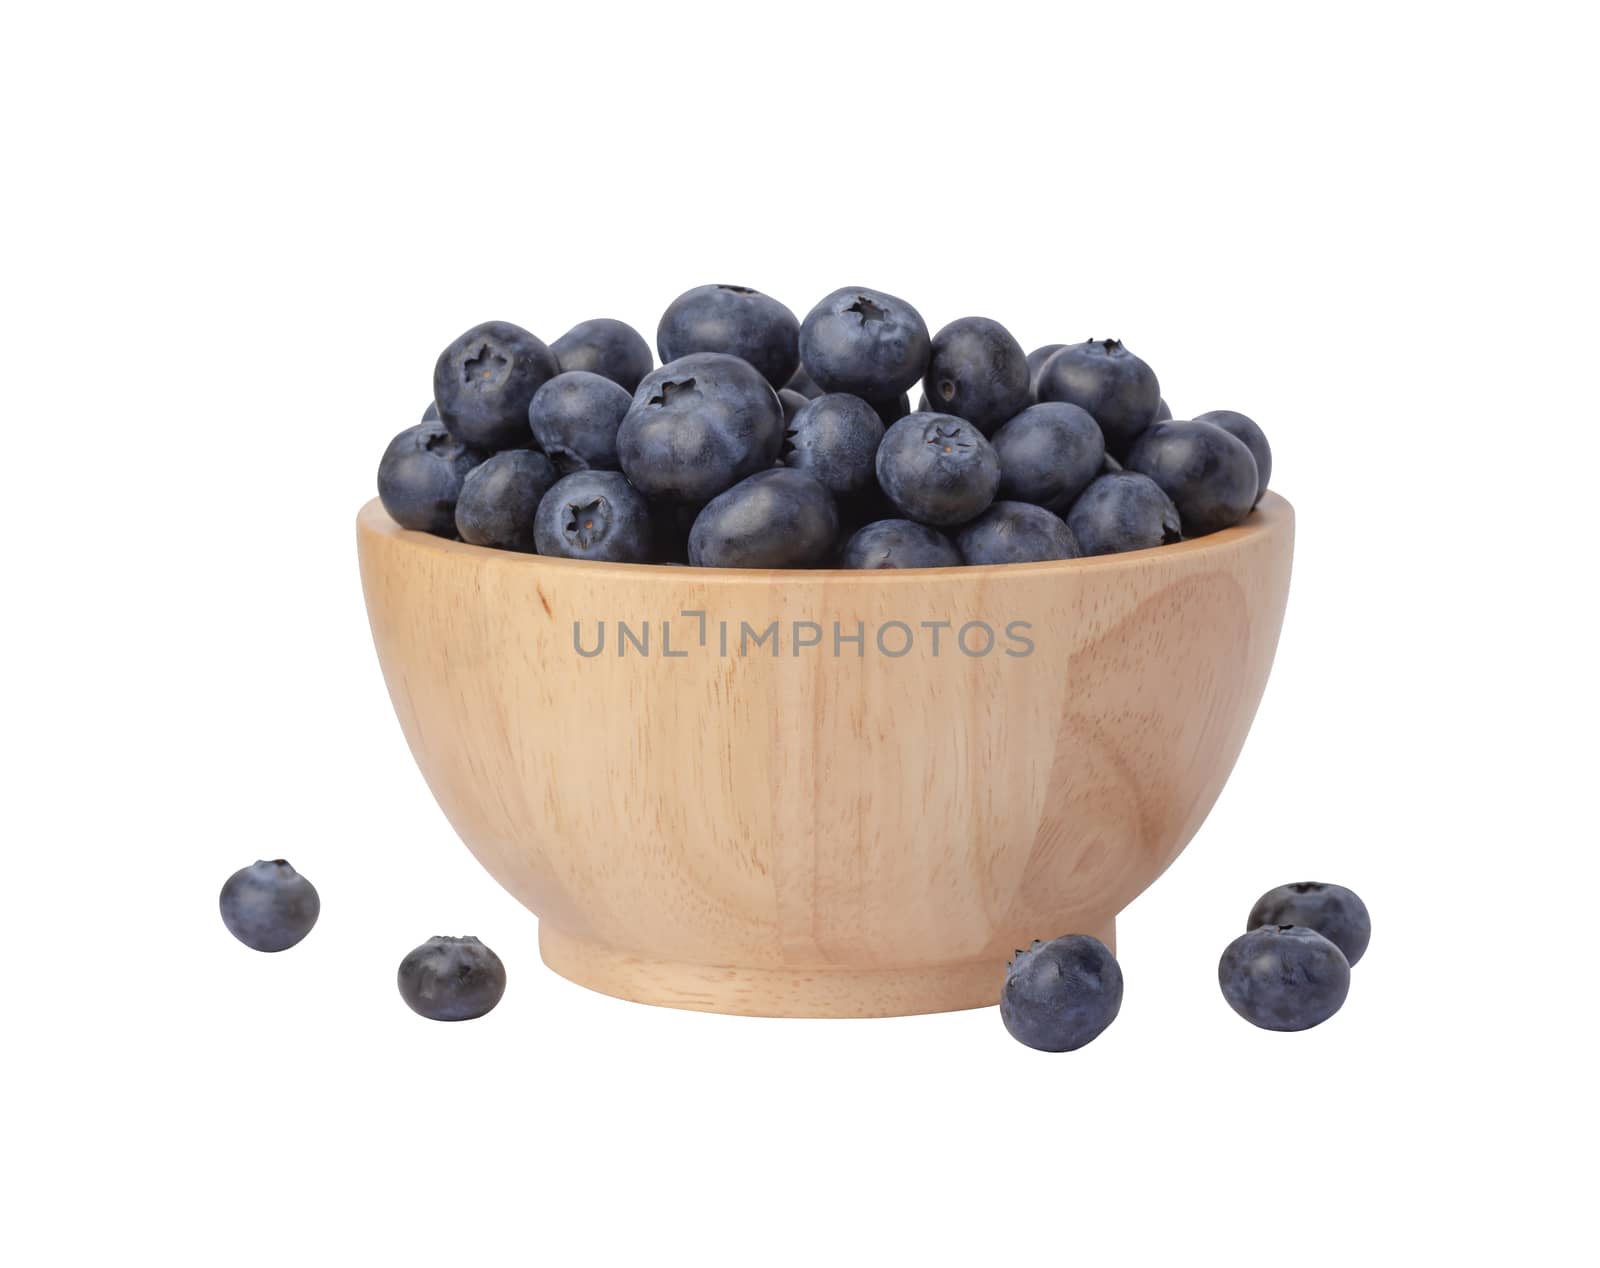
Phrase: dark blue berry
(1036, 360)
(482, 384)
(937, 469)
(835, 438)
(864, 342)
(978, 372)
(420, 477)
(607, 347)
(1048, 454)
(1255, 440)
(595, 515)
(1208, 473)
(1106, 379)
(1062, 994)
(1335, 912)
(775, 519)
(269, 906)
(451, 979)
(893, 410)
(735, 320)
(698, 426)
(803, 383)
(792, 402)
(1284, 977)
(499, 498)
(1016, 533)
(899, 544)
(574, 419)
(1123, 511)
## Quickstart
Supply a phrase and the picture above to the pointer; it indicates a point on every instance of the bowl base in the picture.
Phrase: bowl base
(763, 992)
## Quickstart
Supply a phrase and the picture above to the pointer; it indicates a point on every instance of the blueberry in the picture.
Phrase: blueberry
(1106, 379)
(1060, 995)
(574, 418)
(451, 979)
(1036, 360)
(803, 383)
(893, 410)
(864, 342)
(1122, 511)
(792, 402)
(420, 478)
(1164, 412)
(1208, 473)
(899, 544)
(1335, 912)
(484, 380)
(978, 372)
(775, 519)
(607, 347)
(595, 515)
(1016, 533)
(269, 906)
(499, 498)
(1284, 977)
(937, 469)
(1255, 440)
(698, 426)
(735, 320)
(1048, 454)
(835, 438)
(431, 414)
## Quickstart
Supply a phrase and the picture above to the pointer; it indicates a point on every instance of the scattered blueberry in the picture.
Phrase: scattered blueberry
(594, 515)
(1208, 473)
(1123, 511)
(978, 372)
(1106, 379)
(574, 419)
(451, 979)
(774, 519)
(269, 906)
(937, 469)
(607, 347)
(864, 342)
(1060, 995)
(899, 544)
(1335, 912)
(1255, 440)
(803, 383)
(420, 478)
(1036, 360)
(1284, 977)
(1016, 533)
(483, 382)
(499, 498)
(835, 438)
(735, 320)
(698, 426)
(1048, 454)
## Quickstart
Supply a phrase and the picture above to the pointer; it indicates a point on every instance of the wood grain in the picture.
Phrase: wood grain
(794, 832)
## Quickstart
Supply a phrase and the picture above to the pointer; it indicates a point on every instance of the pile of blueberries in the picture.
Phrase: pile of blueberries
(764, 441)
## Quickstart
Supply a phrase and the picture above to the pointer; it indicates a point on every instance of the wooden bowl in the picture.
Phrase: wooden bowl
(834, 828)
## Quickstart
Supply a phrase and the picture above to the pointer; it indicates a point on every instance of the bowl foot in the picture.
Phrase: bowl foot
(765, 992)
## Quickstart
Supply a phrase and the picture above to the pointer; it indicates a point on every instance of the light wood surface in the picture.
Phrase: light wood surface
(805, 834)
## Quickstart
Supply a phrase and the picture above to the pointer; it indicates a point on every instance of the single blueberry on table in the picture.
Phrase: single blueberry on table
(864, 342)
(803, 383)
(978, 372)
(1016, 533)
(893, 410)
(420, 477)
(899, 544)
(735, 320)
(774, 519)
(1284, 977)
(1255, 440)
(698, 426)
(499, 498)
(269, 906)
(1335, 912)
(595, 515)
(937, 469)
(483, 382)
(607, 347)
(792, 402)
(1123, 511)
(835, 438)
(574, 419)
(1036, 360)
(1062, 994)
(1208, 473)
(451, 979)
(1048, 454)
(1106, 379)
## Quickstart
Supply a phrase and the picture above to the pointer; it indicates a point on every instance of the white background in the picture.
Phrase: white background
(237, 237)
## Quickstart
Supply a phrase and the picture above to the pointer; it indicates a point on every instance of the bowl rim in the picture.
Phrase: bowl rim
(1273, 514)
